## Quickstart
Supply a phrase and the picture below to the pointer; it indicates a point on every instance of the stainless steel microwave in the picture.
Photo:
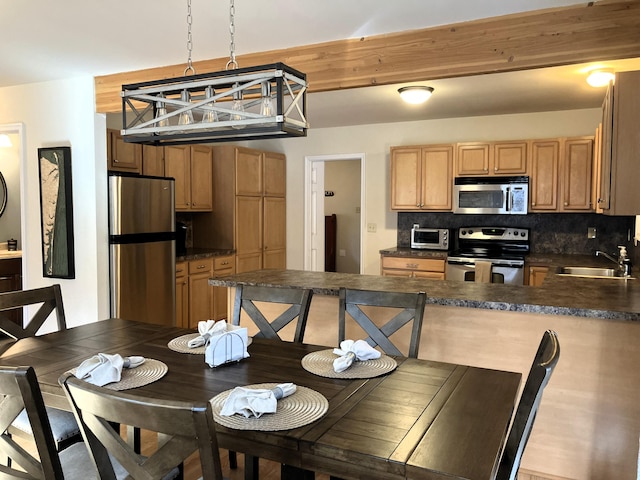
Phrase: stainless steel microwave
(429, 238)
(497, 195)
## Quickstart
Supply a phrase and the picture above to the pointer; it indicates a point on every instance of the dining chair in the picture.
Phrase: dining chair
(19, 391)
(63, 424)
(299, 299)
(247, 299)
(183, 428)
(544, 362)
(409, 308)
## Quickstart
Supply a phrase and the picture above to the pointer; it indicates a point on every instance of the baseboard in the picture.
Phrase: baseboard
(529, 475)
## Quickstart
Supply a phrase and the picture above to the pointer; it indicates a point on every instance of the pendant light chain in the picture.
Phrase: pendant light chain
(189, 40)
(232, 31)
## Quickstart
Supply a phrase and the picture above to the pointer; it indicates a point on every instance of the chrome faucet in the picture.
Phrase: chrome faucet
(624, 266)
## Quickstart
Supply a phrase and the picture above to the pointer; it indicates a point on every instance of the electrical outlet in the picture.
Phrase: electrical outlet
(591, 232)
(371, 227)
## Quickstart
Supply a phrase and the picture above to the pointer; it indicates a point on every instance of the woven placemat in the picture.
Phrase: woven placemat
(321, 363)
(181, 344)
(299, 409)
(150, 371)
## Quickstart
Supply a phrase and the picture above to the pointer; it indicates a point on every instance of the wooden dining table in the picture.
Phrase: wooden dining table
(423, 420)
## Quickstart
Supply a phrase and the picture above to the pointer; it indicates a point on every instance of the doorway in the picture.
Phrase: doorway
(11, 167)
(334, 185)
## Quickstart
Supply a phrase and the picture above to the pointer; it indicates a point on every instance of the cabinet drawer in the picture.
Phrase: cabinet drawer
(427, 264)
(182, 269)
(223, 263)
(200, 266)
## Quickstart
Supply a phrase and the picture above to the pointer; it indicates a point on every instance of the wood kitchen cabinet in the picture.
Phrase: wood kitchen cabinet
(536, 275)
(619, 192)
(250, 214)
(11, 280)
(561, 175)
(192, 168)
(422, 178)
(491, 158)
(122, 156)
(196, 300)
(433, 268)
(153, 161)
(182, 295)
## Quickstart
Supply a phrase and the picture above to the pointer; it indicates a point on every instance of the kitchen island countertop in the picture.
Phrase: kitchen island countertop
(614, 299)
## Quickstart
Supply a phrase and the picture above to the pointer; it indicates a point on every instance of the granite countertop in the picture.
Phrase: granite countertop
(197, 253)
(614, 299)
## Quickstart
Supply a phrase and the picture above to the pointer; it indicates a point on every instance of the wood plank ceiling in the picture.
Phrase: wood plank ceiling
(543, 38)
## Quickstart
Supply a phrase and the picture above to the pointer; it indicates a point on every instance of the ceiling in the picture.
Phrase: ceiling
(45, 41)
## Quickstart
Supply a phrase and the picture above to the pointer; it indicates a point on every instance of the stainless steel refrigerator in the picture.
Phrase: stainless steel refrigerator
(142, 252)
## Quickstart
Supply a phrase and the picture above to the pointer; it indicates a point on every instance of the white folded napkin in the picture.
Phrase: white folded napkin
(351, 351)
(104, 368)
(254, 402)
(206, 329)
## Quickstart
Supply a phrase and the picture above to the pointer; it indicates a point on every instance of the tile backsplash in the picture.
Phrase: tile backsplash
(550, 232)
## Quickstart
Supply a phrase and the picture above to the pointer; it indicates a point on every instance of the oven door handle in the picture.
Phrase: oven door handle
(461, 262)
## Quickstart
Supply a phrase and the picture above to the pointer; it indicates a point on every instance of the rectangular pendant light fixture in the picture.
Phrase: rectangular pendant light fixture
(265, 101)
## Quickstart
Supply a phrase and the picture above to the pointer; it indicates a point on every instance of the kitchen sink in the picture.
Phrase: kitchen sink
(591, 272)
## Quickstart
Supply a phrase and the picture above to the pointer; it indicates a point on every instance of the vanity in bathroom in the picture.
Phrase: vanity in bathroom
(11, 277)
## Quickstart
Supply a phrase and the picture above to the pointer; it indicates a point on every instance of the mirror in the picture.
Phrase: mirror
(3, 194)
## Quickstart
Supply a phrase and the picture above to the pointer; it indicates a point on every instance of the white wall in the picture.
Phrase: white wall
(62, 113)
(375, 141)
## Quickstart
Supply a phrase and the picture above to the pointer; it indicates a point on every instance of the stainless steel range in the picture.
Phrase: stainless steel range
(504, 247)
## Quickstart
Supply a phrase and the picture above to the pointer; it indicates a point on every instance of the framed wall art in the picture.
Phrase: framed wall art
(56, 212)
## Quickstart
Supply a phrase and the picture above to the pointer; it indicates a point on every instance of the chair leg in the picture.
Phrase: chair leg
(287, 472)
(251, 467)
(133, 438)
(233, 460)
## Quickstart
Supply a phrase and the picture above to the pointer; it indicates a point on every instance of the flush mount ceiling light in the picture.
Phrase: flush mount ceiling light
(415, 95)
(265, 101)
(600, 78)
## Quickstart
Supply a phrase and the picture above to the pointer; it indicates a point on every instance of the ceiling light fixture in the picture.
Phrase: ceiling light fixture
(265, 101)
(600, 78)
(416, 94)
(5, 141)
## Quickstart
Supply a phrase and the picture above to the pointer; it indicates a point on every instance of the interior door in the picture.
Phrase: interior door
(317, 217)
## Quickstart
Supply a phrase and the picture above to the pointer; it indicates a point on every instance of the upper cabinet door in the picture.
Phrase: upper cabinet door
(437, 175)
(201, 178)
(510, 158)
(545, 163)
(406, 178)
(473, 159)
(178, 166)
(123, 156)
(248, 171)
(577, 171)
(274, 174)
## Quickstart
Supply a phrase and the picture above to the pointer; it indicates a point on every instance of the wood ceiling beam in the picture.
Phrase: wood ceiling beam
(588, 32)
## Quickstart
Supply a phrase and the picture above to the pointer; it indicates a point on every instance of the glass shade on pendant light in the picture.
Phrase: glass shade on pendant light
(161, 110)
(237, 106)
(210, 116)
(416, 94)
(267, 109)
(185, 118)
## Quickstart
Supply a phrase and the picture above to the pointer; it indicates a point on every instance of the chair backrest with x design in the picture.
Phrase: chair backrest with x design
(19, 390)
(182, 428)
(50, 299)
(298, 299)
(411, 308)
(544, 363)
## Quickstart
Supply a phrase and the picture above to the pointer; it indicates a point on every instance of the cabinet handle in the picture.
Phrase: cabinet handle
(495, 169)
(115, 160)
(179, 271)
(533, 204)
(201, 266)
(412, 265)
(566, 203)
(224, 263)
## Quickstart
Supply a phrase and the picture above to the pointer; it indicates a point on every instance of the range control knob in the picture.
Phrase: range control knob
(522, 234)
